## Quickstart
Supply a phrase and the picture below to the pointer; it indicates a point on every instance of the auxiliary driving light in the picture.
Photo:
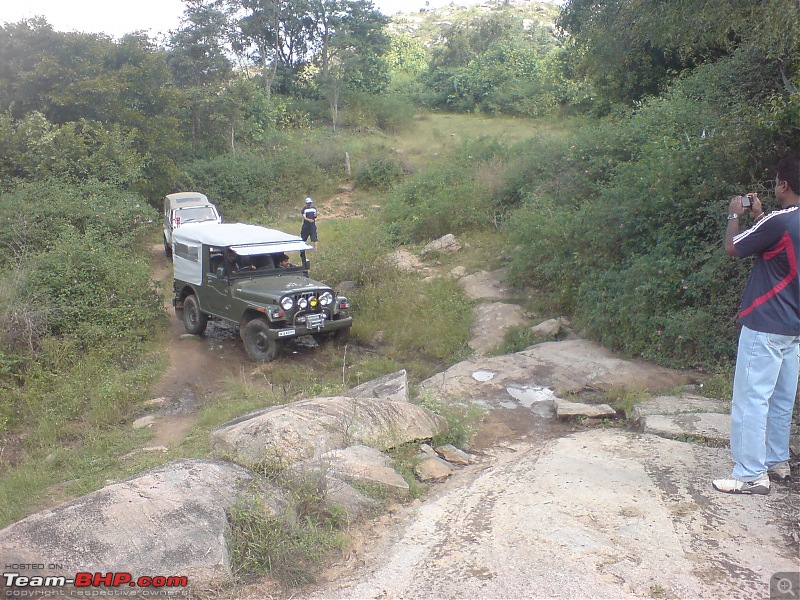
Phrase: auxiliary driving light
(302, 303)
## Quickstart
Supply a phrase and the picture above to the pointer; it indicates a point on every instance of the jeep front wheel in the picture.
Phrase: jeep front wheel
(257, 342)
(194, 320)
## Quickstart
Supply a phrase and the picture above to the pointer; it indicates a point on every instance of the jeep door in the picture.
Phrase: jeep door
(218, 290)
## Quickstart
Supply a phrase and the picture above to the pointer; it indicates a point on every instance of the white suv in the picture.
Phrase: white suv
(183, 208)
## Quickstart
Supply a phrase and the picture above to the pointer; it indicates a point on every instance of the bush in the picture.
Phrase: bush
(448, 198)
(629, 239)
(249, 182)
(388, 113)
(52, 210)
(94, 291)
(379, 174)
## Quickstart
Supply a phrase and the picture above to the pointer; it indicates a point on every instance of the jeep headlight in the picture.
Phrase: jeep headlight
(287, 303)
(302, 304)
(326, 298)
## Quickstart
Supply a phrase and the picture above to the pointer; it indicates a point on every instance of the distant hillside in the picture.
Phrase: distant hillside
(427, 25)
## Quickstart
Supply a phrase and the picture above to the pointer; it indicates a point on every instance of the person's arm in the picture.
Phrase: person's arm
(735, 213)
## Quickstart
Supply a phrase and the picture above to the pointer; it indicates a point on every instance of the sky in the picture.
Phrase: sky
(155, 17)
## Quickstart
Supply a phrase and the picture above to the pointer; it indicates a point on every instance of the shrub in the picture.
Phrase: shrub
(248, 182)
(448, 198)
(630, 238)
(93, 291)
(34, 215)
(379, 174)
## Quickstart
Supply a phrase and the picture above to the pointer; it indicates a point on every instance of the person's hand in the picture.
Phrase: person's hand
(756, 211)
(735, 206)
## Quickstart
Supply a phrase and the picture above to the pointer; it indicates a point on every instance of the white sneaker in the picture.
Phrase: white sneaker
(734, 486)
(780, 472)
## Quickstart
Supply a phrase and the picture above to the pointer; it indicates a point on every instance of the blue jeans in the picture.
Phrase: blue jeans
(764, 388)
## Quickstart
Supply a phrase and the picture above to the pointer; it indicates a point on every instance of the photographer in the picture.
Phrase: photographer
(765, 380)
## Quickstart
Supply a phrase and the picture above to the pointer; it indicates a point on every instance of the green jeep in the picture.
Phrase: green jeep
(243, 274)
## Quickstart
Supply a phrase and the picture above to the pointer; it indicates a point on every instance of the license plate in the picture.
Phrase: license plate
(286, 332)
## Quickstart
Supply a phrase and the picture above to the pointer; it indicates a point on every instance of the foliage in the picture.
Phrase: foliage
(630, 242)
(633, 49)
(379, 174)
(289, 547)
(494, 65)
(250, 182)
(34, 215)
(118, 94)
(448, 198)
(93, 291)
(197, 56)
(390, 114)
(463, 421)
(73, 152)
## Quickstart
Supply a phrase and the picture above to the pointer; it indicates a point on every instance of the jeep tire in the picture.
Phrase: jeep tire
(167, 249)
(194, 320)
(260, 347)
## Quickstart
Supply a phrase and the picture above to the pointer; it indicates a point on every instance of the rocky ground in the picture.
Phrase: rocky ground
(562, 497)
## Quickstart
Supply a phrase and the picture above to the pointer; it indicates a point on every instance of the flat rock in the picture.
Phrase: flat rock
(362, 464)
(393, 386)
(170, 520)
(432, 468)
(547, 329)
(566, 409)
(446, 243)
(454, 455)
(714, 427)
(143, 422)
(601, 513)
(486, 285)
(560, 368)
(673, 405)
(490, 323)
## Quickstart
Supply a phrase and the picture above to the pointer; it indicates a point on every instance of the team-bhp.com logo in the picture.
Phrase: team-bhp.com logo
(16, 583)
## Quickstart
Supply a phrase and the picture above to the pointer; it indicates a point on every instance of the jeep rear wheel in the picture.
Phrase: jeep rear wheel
(167, 249)
(260, 347)
(194, 320)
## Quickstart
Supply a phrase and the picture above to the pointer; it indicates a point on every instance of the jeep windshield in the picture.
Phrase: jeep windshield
(243, 262)
(196, 214)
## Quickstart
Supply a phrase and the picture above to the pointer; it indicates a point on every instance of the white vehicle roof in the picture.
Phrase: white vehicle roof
(182, 199)
(243, 238)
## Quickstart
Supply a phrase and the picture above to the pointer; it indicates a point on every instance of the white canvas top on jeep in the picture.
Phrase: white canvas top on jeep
(244, 239)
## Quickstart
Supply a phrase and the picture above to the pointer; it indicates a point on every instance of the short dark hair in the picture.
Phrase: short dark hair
(281, 258)
(789, 171)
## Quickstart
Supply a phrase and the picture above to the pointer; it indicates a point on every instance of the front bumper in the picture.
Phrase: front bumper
(326, 326)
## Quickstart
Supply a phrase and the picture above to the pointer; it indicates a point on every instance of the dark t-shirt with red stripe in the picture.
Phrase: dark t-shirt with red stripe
(771, 298)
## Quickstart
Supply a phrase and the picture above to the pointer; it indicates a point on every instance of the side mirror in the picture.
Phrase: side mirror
(221, 271)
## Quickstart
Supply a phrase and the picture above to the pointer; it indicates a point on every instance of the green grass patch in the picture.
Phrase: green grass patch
(289, 546)
(463, 420)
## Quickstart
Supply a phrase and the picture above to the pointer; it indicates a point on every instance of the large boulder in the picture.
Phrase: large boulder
(308, 428)
(168, 521)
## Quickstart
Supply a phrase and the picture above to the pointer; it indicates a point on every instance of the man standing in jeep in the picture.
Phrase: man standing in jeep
(309, 228)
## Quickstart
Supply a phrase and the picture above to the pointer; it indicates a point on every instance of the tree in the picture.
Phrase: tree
(197, 56)
(634, 48)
